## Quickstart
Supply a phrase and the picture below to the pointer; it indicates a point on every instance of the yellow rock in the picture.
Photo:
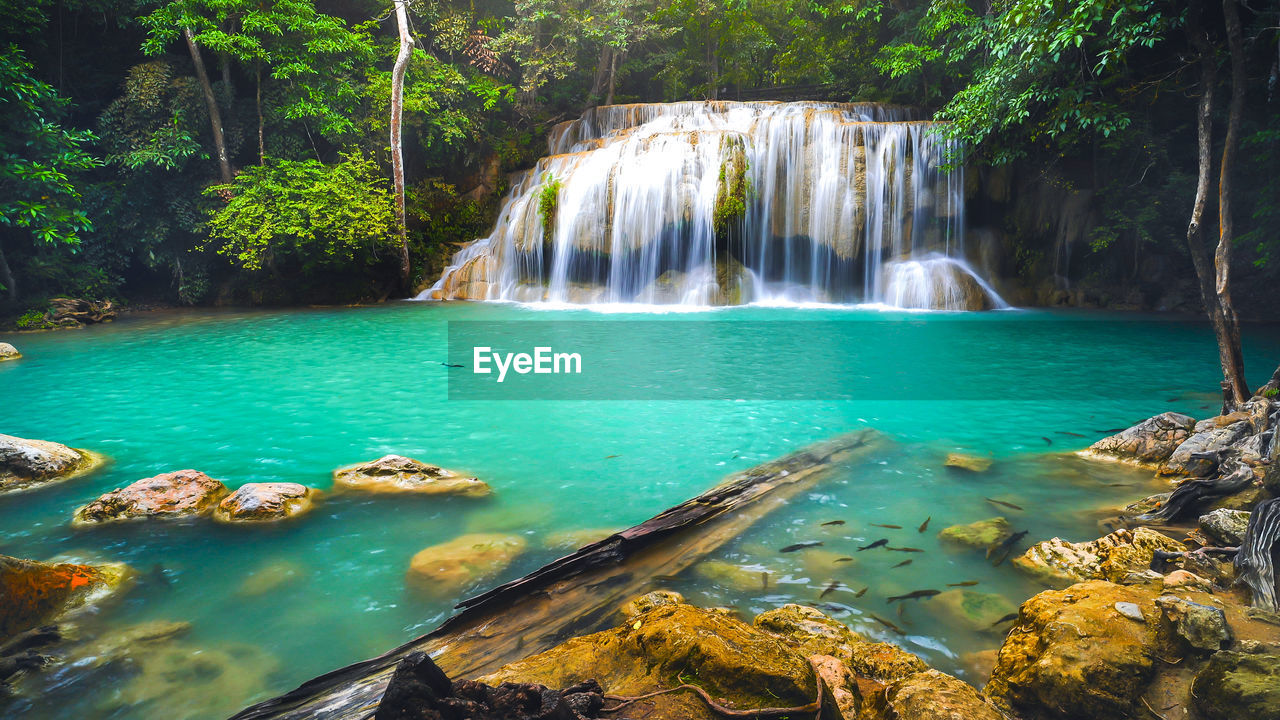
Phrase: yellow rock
(399, 474)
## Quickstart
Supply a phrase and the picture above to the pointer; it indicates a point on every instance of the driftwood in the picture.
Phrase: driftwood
(1255, 563)
(1191, 495)
(72, 311)
(579, 593)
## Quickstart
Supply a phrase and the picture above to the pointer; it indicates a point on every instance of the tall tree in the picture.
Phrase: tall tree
(211, 101)
(1235, 388)
(397, 139)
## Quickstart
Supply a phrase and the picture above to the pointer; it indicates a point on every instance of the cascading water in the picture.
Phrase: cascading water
(706, 203)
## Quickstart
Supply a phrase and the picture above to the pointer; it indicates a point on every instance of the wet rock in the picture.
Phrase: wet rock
(1113, 557)
(972, 463)
(1145, 505)
(265, 502)
(730, 659)
(1237, 685)
(843, 693)
(8, 352)
(185, 493)
(399, 474)
(35, 592)
(444, 570)
(1244, 501)
(181, 680)
(1201, 627)
(884, 662)
(1225, 527)
(1131, 611)
(1185, 580)
(26, 464)
(977, 611)
(932, 695)
(1071, 655)
(1209, 437)
(981, 534)
(1150, 442)
(809, 630)
(644, 603)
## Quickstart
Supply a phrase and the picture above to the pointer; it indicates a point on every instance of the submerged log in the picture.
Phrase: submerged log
(578, 593)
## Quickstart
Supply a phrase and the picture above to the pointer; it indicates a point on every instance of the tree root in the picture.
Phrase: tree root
(814, 707)
(1254, 563)
(1192, 494)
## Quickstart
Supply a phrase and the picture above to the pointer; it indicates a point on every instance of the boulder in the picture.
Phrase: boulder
(8, 352)
(265, 502)
(1209, 437)
(810, 631)
(982, 534)
(976, 611)
(1225, 527)
(1072, 655)
(35, 592)
(1148, 443)
(399, 474)
(25, 464)
(1198, 626)
(1236, 685)
(184, 493)
(1113, 557)
(444, 570)
(972, 463)
(931, 695)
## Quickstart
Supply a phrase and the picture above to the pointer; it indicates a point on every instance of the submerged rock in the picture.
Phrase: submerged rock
(1225, 527)
(447, 568)
(972, 463)
(1071, 655)
(8, 352)
(810, 631)
(26, 464)
(265, 502)
(34, 592)
(399, 474)
(184, 493)
(977, 611)
(1113, 557)
(270, 577)
(1237, 685)
(982, 534)
(574, 539)
(1149, 443)
(179, 679)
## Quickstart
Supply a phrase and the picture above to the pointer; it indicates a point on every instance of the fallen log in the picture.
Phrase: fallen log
(577, 594)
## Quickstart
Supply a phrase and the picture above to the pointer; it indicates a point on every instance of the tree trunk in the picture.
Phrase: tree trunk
(1232, 356)
(397, 146)
(613, 74)
(215, 115)
(262, 144)
(597, 83)
(713, 74)
(6, 276)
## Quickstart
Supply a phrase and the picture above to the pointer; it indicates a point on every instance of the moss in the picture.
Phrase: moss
(733, 190)
(548, 203)
(1236, 685)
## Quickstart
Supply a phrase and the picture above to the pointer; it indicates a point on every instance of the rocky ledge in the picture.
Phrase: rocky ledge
(27, 464)
(184, 493)
(399, 474)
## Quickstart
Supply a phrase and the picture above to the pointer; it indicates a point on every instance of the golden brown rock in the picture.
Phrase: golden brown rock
(265, 502)
(932, 695)
(399, 474)
(185, 493)
(1113, 557)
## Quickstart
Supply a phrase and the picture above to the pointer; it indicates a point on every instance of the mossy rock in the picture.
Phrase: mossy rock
(1237, 685)
(982, 534)
(809, 630)
(976, 611)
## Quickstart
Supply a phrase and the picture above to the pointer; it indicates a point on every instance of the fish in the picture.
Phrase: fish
(830, 589)
(610, 457)
(1007, 543)
(879, 543)
(832, 522)
(1046, 440)
(1005, 619)
(801, 546)
(1111, 430)
(966, 583)
(665, 578)
(904, 563)
(450, 365)
(888, 624)
(862, 592)
(843, 559)
(891, 527)
(924, 525)
(1002, 503)
(1065, 432)
(764, 581)
(903, 549)
(1120, 485)
(915, 595)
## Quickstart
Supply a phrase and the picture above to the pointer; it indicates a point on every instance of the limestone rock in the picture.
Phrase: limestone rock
(842, 687)
(25, 464)
(399, 474)
(185, 493)
(977, 611)
(884, 662)
(265, 502)
(1237, 685)
(972, 463)
(981, 534)
(445, 569)
(1150, 442)
(1070, 655)
(932, 695)
(1225, 527)
(1113, 557)
(644, 603)
(1207, 438)
(8, 352)
(808, 629)
(34, 592)
(1200, 626)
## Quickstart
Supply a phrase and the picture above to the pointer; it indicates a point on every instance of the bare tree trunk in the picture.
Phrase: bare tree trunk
(215, 115)
(1232, 356)
(613, 74)
(6, 275)
(262, 144)
(397, 145)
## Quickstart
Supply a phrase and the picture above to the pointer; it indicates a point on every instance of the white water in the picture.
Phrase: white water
(848, 203)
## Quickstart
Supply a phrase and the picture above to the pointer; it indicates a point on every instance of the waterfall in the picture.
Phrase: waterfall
(715, 203)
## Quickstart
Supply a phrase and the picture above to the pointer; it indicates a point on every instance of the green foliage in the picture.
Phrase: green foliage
(34, 319)
(548, 202)
(733, 191)
(305, 215)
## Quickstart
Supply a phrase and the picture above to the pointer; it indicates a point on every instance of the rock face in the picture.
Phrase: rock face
(8, 352)
(399, 474)
(1225, 527)
(1071, 654)
(25, 464)
(444, 570)
(265, 502)
(185, 493)
(1059, 563)
(34, 592)
(1150, 442)
(981, 534)
(1237, 685)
